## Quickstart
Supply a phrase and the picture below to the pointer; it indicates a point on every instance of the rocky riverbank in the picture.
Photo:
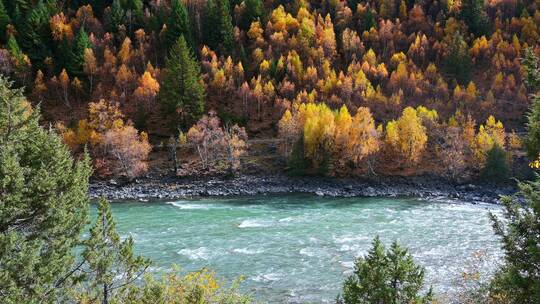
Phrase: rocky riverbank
(174, 188)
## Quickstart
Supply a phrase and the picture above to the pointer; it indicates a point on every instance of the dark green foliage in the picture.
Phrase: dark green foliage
(532, 78)
(114, 16)
(182, 92)
(98, 6)
(43, 204)
(385, 277)
(297, 163)
(532, 140)
(474, 15)
(35, 34)
(458, 63)
(4, 21)
(532, 75)
(368, 21)
(218, 29)
(82, 43)
(15, 50)
(178, 25)
(254, 10)
(210, 23)
(110, 264)
(353, 4)
(518, 281)
(134, 14)
(496, 169)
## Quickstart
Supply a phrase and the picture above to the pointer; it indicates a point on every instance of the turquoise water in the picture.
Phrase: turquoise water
(298, 249)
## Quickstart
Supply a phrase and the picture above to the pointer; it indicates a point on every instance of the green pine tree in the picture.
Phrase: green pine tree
(210, 23)
(518, 281)
(115, 17)
(4, 21)
(43, 204)
(385, 277)
(218, 16)
(474, 15)
(532, 75)
(532, 140)
(368, 21)
(15, 50)
(76, 60)
(182, 92)
(111, 266)
(496, 169)
(458, 63)
(35, 34)
(226, 30)
(178, 25)
(532, 79)
(254, 10)
(134, 14)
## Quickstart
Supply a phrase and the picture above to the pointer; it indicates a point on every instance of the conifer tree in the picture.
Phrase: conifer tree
(182, 92)
(134, 14)
(458, 63)
(110, 264)
(44, 204)
(14, 49)
(532, 141)
(4, 20)
(254, 10)
(518, 281)
(36, 38)
(218, 29)
(496, 169)
(75, 67)
(210, 23)
(474, 15)
(225, 27)
(385, 277)
(178, 25)
(115, 17)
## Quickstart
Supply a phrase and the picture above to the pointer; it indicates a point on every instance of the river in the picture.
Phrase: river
(298, 248)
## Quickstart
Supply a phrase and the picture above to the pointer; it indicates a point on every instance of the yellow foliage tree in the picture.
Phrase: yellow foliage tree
(363, 139)
(407, 135)
(319, 129)
(489, 134)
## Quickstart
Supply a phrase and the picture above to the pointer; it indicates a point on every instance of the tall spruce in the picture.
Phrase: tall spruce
(474, 15)
(111, 266)
(4, 21)
(458, 62)
(532, 79)
(518, 281)
(385, 277)
(178, 25)
(254, 9)
(114, 17)
(210, 22)
(35, 33)
(43, 204)
(134, 14)
(226, 30)
(14, 49)
(218, 28)
(82, 42)
(182, 91)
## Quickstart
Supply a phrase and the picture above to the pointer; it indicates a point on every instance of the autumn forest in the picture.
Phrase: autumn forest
(343, 88)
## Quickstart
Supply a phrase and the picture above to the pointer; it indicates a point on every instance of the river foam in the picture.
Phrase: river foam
(297, 249)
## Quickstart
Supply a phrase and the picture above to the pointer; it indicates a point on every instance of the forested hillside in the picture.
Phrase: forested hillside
(347, 87)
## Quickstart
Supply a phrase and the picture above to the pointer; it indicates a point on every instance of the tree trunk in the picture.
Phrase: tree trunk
(174, 159)
(105, 294)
